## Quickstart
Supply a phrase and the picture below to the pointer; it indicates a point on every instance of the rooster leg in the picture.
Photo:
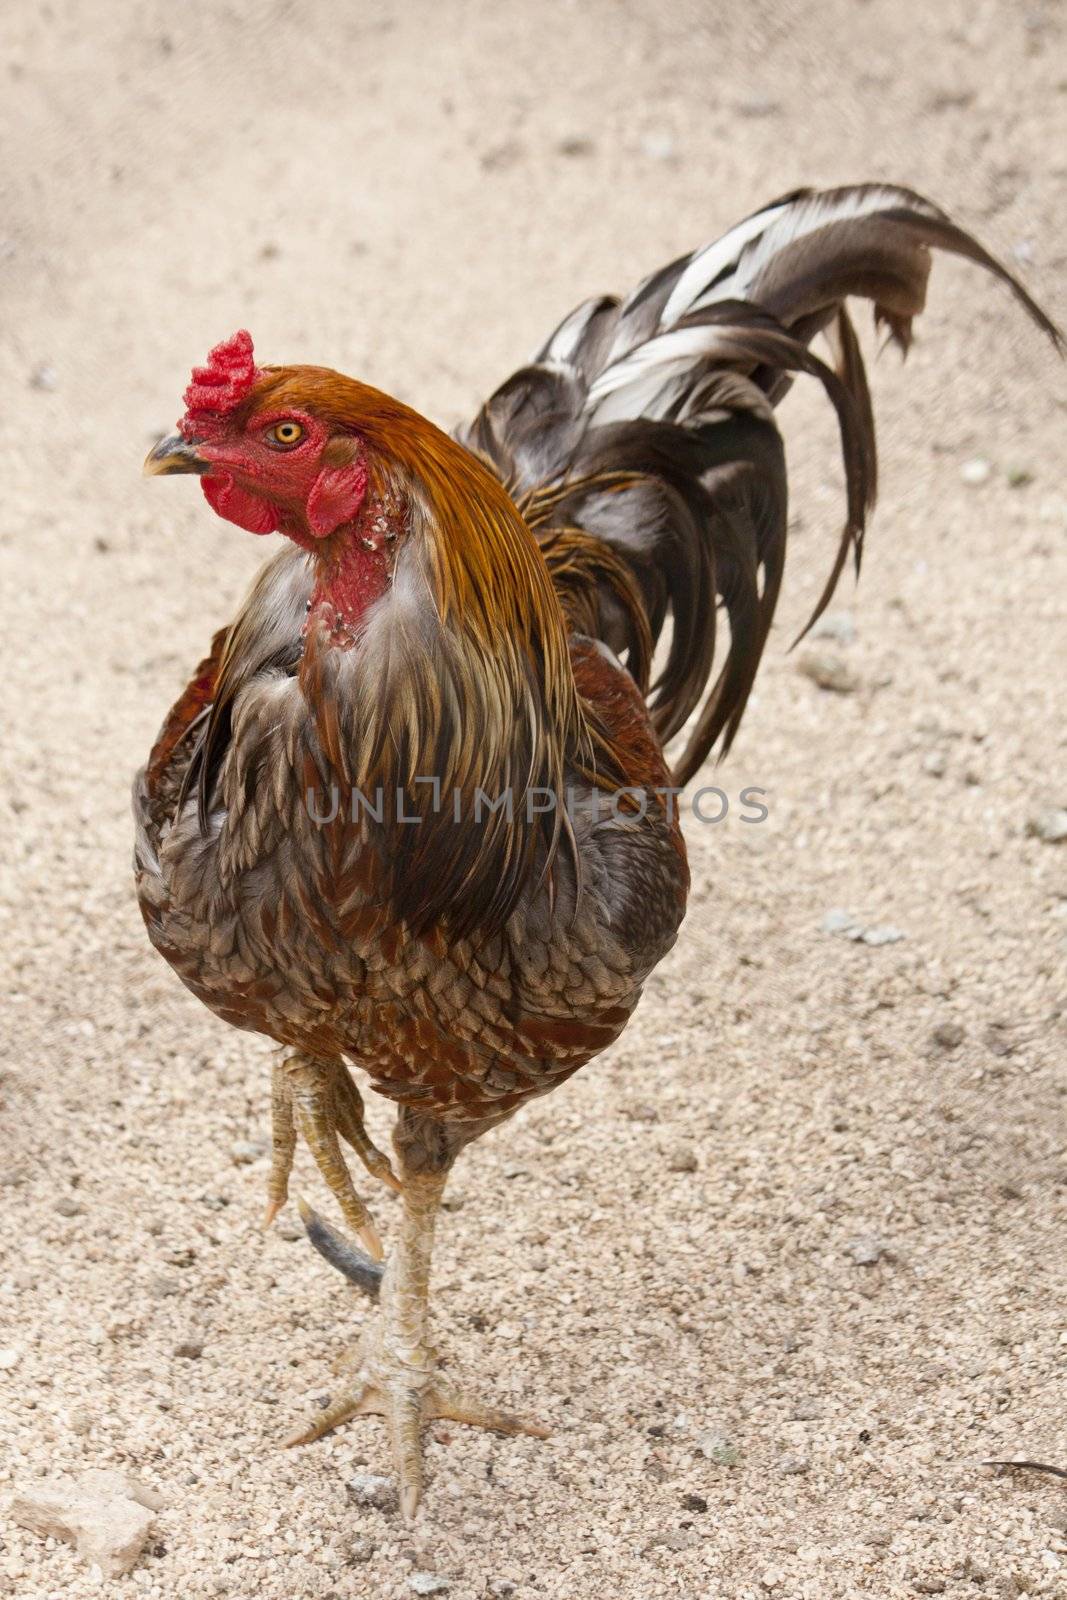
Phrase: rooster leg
(398, 1378)
(320, 1099)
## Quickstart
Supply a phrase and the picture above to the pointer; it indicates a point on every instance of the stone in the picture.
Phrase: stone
(947, 1036)
(103, 1514)
(427, 1583)
(244, 1151)
(714, 1446)
(885, 934)
(975, 473)
(866, 1250)
(370, 1489)
(1048, 825)
(356, 1550)
(794, 1464)
(682, 1159)
(829, 670)
(188, 1350)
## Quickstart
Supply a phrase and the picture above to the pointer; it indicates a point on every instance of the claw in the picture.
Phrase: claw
(451, 1406)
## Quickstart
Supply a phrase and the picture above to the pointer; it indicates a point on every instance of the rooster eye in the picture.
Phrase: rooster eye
(285, 434)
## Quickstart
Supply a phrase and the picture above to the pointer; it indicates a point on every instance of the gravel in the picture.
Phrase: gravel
(796, 1065)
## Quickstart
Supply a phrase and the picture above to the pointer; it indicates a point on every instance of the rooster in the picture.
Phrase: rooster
(412, 814)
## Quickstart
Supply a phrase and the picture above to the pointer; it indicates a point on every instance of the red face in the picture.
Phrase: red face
(280, 469)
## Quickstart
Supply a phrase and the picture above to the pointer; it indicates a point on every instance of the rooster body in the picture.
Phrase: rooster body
(412, 813)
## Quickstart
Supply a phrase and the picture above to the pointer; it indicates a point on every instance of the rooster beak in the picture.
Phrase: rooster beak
(174, 454)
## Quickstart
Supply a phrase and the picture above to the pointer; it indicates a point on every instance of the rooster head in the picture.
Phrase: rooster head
(266, 461)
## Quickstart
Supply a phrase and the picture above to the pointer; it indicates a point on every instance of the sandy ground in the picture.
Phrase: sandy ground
(660, 1259)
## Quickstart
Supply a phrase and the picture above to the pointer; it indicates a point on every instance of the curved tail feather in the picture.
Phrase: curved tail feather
(646, 426)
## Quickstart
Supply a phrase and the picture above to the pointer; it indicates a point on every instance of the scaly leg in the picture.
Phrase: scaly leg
(320, 1099)
(398, 1377)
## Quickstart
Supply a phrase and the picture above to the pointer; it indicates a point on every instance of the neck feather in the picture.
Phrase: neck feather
(458, 680)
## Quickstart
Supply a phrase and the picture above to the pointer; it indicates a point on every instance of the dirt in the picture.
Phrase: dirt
(787, 1264)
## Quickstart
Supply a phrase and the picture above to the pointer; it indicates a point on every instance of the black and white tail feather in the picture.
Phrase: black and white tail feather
(643, 429)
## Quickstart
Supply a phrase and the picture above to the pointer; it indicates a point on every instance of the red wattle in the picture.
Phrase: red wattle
(249, 511)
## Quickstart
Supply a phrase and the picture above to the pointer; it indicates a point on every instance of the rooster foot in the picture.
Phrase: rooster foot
(408, 1392)
(395, 1368)
(319, 1099)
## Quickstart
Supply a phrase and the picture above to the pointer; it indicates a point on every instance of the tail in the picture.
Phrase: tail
(641, 445)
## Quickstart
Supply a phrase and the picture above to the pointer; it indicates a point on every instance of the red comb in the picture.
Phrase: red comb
(219, 387)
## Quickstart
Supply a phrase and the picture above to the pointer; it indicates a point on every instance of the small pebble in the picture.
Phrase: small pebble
(370, 1489)
(929, 1585)
(68, 1207)
(794, 1464)
(81, 1422)
(829, 670)
(948, 1036)
(356, 1550)
(866, 1251)
(718, 1448)
(935, 763)
(694, 1502)
(886, 934)
(1049, 825)
(680, 1539)
(501, 1588)
(9, 1359)
(682, 1159)
(975, 473)
(806, 1411)
(244, 1151)
(44, 378)
(189, 1350)
(427, 1583)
